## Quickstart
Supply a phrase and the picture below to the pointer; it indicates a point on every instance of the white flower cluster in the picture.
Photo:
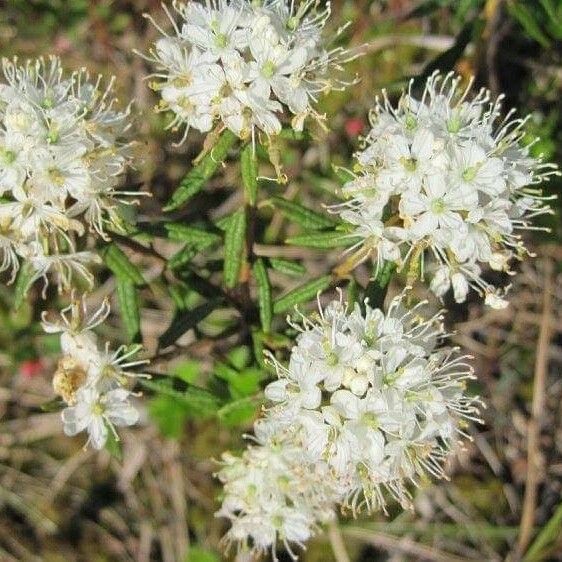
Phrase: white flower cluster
(445, 176)
(368, 404)
(244, 63)
(272, 497)
(61, 157)
(92, 380)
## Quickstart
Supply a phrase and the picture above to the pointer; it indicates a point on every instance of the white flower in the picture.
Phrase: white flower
(444, 179)
(89, 379)
(98, 413)
(245, 65)
(62, 157)
(369, 402)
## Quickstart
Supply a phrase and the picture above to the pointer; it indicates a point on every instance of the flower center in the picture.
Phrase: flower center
(268, 69)
(221, 40)
(454, 124)
(56, 176)
(292, 23)
(411, 122)
(438, 206)
(410, 164)
(7, 156)
(470, 173)
(97, 409)
(53, 135)
(370, 420)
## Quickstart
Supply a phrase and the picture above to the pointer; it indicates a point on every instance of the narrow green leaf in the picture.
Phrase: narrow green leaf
(54, 405)
(129, 307)
(234, 242)
(287, 267)
(258, 347)
(169, 414)
(301, 294)
(196, 179)
(113, 446)
(182, 257)
(199, 402)
(446, 60)
(526, 18)
(199, 554)
(249, 169)
(190, 234)
(547, 537)
(239, 412)
(185, 320)
(120, 264)
(302, 215)
(331, 239)
(264, 294)
(377, 287)
(24, 280)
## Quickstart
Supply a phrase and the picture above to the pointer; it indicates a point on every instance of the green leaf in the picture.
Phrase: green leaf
(182, 257)
(264, 294)
(246, 382)
(199, 554)
(525, 17)
(54, 405)
(239, 412)
(249, 169)
(258, 347)
(548, 536)
(129, 307)
(287, 267)
(24, 280)
(188, 371)
(185, 320)
(239, 357)
(198, 401)
(113, 445)
(170, 415)
(196, 179)
(447, 60)
(301, 294)
(378, 286)
(331, 239)
(234, 243)
(120, 264)
(195, 236)
(302, 215)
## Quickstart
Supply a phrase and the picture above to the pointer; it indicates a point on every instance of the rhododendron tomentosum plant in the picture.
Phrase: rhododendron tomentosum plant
(244, 65)
(92, 379)
(445, 179)
(62, 156)
(369, 403)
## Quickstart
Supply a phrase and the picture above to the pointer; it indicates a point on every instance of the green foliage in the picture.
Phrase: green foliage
(301, 294)
(24, 281)
(323, 240)
(547, 539)
(199, 554)
(299, 214)
(129, 307)
(264, 294)
(186, 320)
(197, 402)
(122, 267)
(234, 242)
(249, 170)
(287, 267)
(541, 20)
(196, 179)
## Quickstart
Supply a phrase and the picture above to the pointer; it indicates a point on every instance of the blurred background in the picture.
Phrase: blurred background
(155, 503)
